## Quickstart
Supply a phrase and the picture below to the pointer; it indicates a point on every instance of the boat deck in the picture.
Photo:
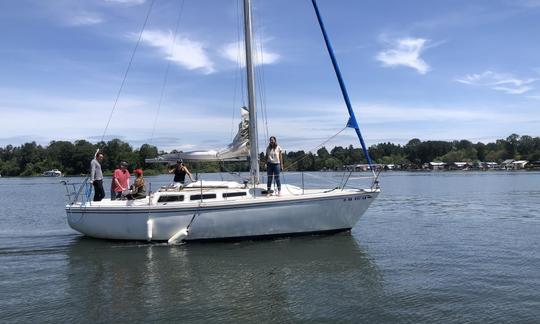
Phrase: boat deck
(212, 196)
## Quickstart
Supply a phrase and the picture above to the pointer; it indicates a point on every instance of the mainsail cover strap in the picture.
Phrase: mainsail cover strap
(352, 123)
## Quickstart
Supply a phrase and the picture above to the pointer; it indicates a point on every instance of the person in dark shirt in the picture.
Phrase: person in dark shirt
(180, 171)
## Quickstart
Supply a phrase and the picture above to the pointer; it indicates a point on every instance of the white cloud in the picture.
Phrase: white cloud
(526, 3)
(235, 52)
(405, 52)
(57, 117)
(127, 2)
(84, 19)
(499, 81)
(187, 53)
(520, 90)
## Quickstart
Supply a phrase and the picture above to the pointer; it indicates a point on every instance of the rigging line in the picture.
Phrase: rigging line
(127, 69)
(237, 72)
(166, 77)
(346, 180)
(234, 104)
(234, 173)
(320, 178)
(342, 178)
(260, 75)
(262, 92)
(37, 183)
(289, 165)
(241, 50)
(327, 180)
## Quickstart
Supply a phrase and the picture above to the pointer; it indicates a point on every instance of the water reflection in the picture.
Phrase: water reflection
(310, 278)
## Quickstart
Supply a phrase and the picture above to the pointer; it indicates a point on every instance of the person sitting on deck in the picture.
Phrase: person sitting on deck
(138, 189)
(180, 171)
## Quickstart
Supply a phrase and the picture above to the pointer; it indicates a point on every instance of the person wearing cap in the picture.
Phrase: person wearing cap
(121, 180)
(138, 189)
(180, 171)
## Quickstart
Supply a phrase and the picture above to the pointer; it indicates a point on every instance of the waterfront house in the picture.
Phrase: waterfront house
(437, 165)
(507, 164)
(517, 165)
(490, 165)
(460, 166)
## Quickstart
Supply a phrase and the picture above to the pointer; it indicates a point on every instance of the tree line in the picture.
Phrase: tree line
(74, 158)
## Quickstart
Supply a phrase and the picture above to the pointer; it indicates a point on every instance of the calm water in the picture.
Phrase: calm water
(434, 247)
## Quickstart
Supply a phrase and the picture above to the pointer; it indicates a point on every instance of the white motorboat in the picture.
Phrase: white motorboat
(210, 210)
(52, 173)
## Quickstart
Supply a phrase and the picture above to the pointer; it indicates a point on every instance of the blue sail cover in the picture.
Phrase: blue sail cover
(352, 123)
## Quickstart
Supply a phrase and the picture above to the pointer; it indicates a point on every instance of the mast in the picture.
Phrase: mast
(253, 135)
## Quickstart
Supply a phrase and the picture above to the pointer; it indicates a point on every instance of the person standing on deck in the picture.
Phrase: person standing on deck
(180, 171)
(96, 177)
(113, 184)
(121, 180)
(274, 164)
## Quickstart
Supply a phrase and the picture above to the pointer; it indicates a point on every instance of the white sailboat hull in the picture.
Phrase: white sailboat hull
(236, 219)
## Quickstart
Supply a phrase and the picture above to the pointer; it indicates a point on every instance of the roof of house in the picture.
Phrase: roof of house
(437, 163)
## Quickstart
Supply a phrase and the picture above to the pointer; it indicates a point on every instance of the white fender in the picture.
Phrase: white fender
(179, 236)
(149, 229)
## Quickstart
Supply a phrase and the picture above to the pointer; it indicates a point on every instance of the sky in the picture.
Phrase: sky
(433, 70)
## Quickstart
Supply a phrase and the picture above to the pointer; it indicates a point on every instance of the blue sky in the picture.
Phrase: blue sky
(434, 70)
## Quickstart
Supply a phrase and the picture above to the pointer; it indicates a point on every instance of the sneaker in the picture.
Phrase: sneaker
(279, 193)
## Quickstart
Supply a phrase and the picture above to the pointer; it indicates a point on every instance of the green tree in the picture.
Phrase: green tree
(116, 151)
(60, 156)
(147, 151)
(412, 149)
(381, 150)
(481, 151)
(83, 153)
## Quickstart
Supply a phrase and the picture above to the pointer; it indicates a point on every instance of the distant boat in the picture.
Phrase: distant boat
(52, 173)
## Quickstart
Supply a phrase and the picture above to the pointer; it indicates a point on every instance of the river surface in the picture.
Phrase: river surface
(439, 247)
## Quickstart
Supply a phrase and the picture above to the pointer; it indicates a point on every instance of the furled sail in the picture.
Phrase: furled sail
(238, 150)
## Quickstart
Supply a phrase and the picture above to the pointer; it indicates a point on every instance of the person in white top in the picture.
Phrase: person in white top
(274, 164)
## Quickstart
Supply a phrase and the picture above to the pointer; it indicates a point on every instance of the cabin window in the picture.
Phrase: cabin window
(170, 198)
(203, 196)
(234, 194)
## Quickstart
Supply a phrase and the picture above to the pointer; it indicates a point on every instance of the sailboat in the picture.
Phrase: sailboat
(228, 210)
